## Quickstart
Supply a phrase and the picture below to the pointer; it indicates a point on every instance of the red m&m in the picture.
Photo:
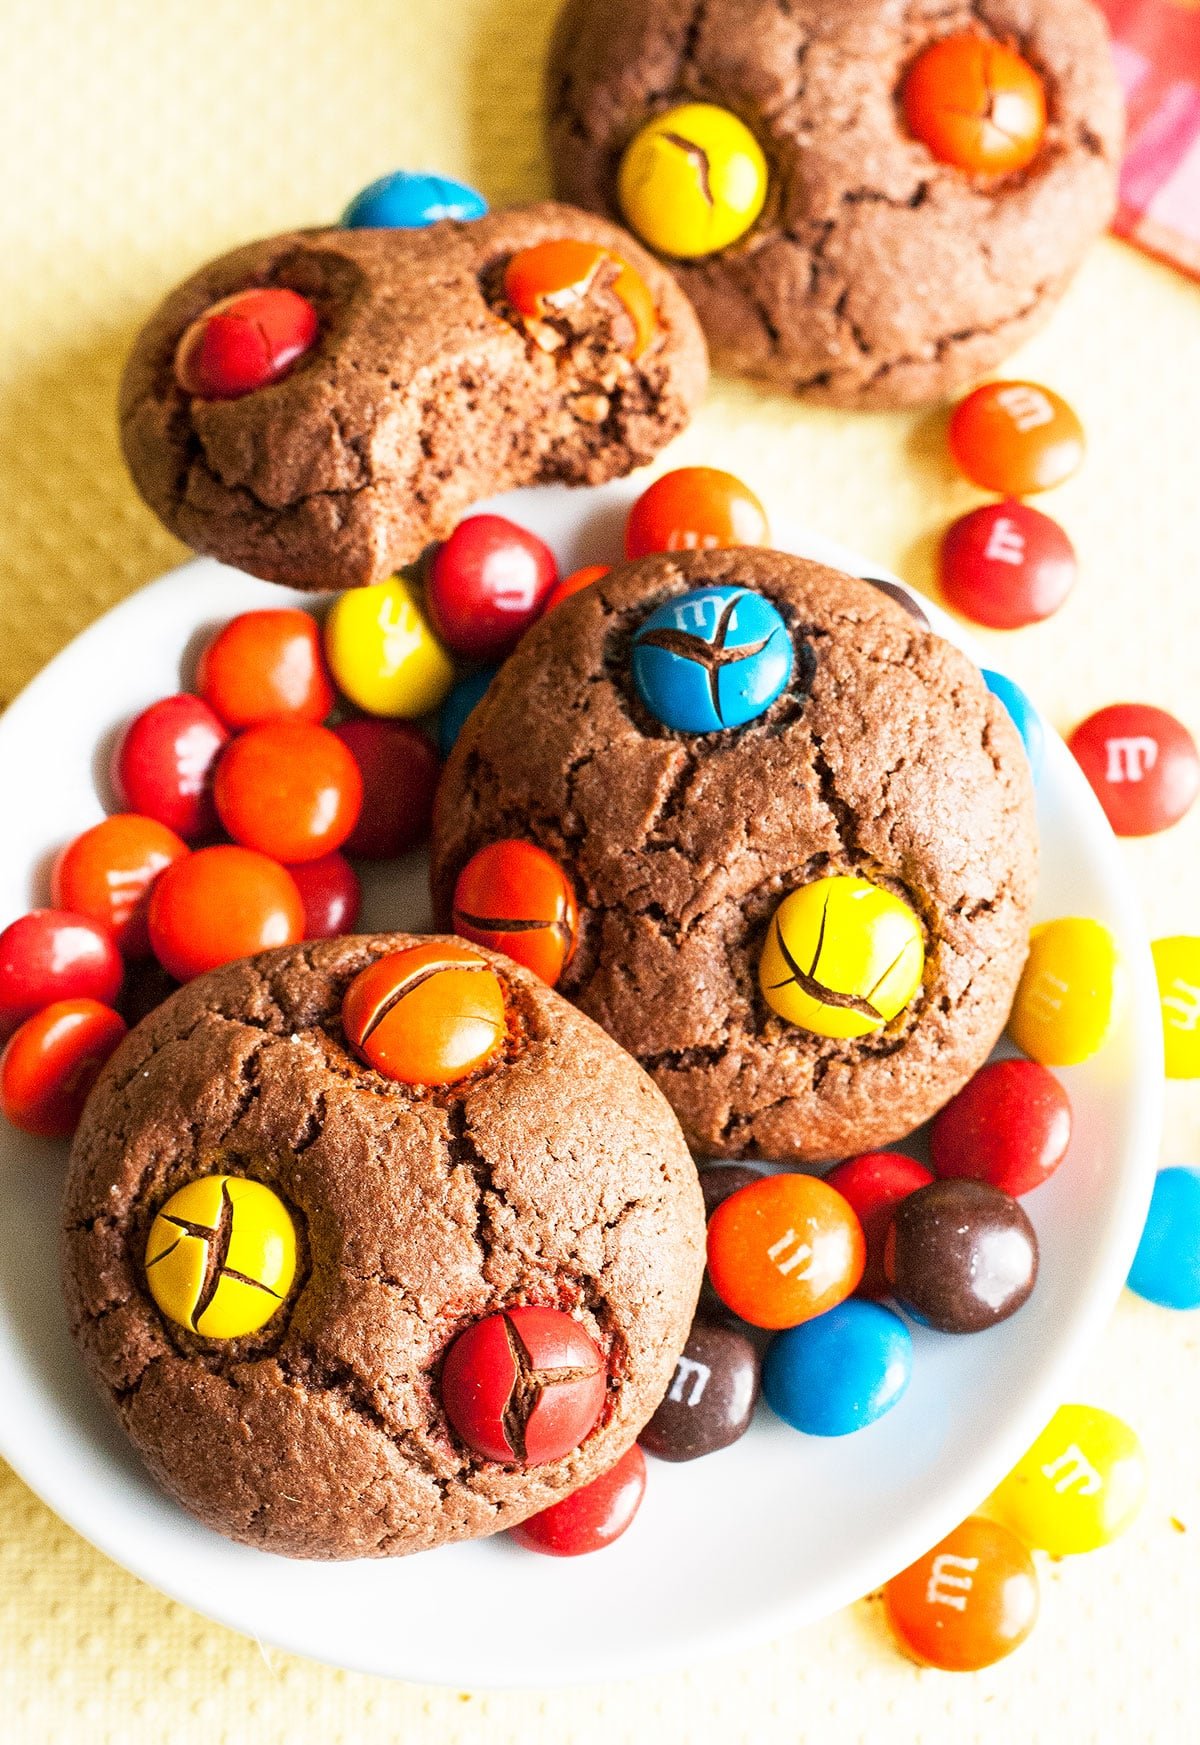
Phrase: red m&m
(1006, 565)
(592, 1517)
(52, 1062)
(1142, 764)
(330, 892)
(1010, 1126)
(874, 1184)
(487, 584)
(164, 763)
(525, 1386)
(399, 768)
(51, 955)
(244, 342)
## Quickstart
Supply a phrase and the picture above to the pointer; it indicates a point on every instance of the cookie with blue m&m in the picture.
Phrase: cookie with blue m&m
(712, 658)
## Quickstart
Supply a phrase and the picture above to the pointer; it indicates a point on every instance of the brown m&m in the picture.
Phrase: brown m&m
(428, 1015)
(711, 1398)
(960, 1256)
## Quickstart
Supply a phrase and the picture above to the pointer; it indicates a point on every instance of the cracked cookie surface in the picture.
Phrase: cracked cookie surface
(421, 395)
(885, 756)
(876, 276)
(559, 1177)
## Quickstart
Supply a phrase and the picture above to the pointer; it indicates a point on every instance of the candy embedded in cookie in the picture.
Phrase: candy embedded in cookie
(692, 181)
(514, 897)
(712, 659)
(526, 1385)
(429, 1015)
(439, 365)
(842, 957)
(977, 104)
(221, 1256)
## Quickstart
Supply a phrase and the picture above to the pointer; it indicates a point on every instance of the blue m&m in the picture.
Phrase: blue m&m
(1166, 1267)
(840, 1371)
(459, 703)
(409, 200)
(711, 659)
(1025, 717)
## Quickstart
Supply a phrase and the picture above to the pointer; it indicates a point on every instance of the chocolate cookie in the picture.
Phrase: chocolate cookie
(425, 389)
(874, 274)
(883, 764)
(556, 1178)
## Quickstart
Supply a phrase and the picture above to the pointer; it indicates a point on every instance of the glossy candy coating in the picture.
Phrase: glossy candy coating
(221, 1256)
(960, 1256)
(504, 1390)
(1177, 969)
(593, 1516)
(460, 701)
(968, 1602)
(784, 1249)
(51, 955)
(410, 200)
(842, 957)
(1142, 764)
(575, 583)
(1166, 1267)
(163, 764)
(487, 584)
(1024, 717)
(710, 1401)
(514, 897)
(1078, 1487)
(839, 1373)
(51, 1063)
(1010, 1125)
(711, 659)
(695, 509)
(399, 768)
(692, 180)
(244, 342)
(290, 789)
(383, 653)
(976, 104)
(874, 1184)
(1016, 438)
(428, 1015)
(107, 872)
(552, 276)
(331, 895)
(266, 666)
(221, 903)
(1070, 992)
(1006, 565)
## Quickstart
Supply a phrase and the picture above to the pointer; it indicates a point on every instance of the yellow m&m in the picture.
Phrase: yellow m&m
(1078, 1487)
(1070, 992)
(842, 957)
(692, 181)
(1177, 966)
(383, 653)
(221, 1256)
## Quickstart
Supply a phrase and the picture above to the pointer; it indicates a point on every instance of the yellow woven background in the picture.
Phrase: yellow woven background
(139, 137)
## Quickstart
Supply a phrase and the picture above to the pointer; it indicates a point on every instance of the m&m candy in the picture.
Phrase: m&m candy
(107, 873)
(960, 1256)
(244, 342)
(695, 509)
(874, 1184)
(163, 765)
(487, 584)
(266, 666)
(460, 701)
(556, 278)
(218, 904)
(840, 1372)
(692, 180)
(399, 769)
(221, 1256)
(52, 1061)
(383, 653)
(711, 659)
(593, 1516)
(411, 199)
(429, 1014)
(1166, 1267)
(783, 1249)
(903, 596)
(1177, 969)
(1016, 438)
(976, 103)
(1023, 715)
(968, 1602)
(575, 583)
(1005, 565)
(51, 955)
(1010, 1125)
(1078, 1487)
(710, 1401)
(524, 1386)
(842, 957)
(1069, 993)
(331, 895)
(514, 897)
(290, 789)
(1142, 764)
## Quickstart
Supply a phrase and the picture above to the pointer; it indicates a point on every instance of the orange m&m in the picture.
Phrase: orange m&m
(976, 104)
(969, 1601)
(551, 276)
(783, 1249)
(575, 583)
(1016, 438)
(427, 1015)
(515, 898)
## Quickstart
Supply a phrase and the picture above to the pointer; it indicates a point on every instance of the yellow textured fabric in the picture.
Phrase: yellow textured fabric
(139, 137)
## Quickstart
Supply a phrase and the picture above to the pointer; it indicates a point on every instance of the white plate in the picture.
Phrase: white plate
(769, 1534)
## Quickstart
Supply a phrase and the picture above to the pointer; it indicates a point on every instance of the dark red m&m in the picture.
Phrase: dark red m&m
(1010, 1125)
(524, 1386)
(593, 1516)
(874, 1184)
(1005, 565)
